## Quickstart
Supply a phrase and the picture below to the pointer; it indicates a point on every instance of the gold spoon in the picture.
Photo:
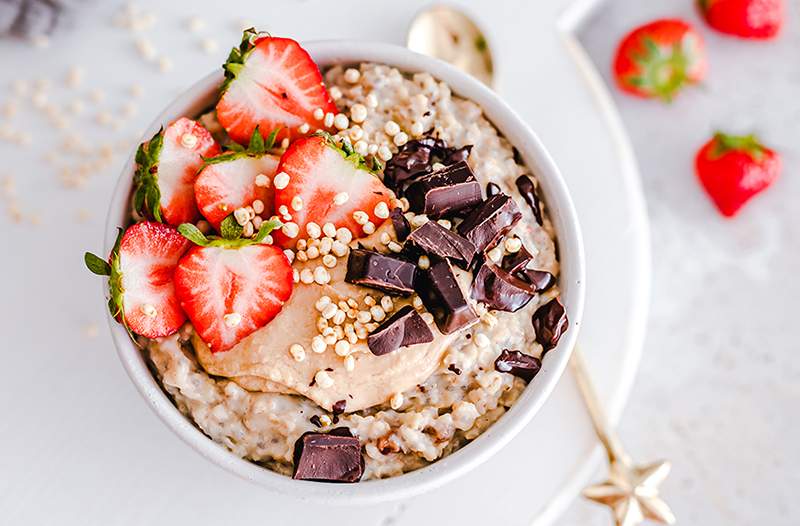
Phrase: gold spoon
(631, 491)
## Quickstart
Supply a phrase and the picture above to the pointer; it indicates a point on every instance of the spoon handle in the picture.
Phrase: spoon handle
(604, 431)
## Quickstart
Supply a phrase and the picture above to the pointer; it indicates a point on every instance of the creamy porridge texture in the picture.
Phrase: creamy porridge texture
(465, 394)
(353, 296)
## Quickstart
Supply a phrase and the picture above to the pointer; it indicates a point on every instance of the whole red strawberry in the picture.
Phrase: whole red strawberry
(744, 18)
(733, 169)
(658, 59)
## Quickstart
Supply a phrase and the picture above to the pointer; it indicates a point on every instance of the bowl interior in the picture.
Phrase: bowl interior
(562, 214)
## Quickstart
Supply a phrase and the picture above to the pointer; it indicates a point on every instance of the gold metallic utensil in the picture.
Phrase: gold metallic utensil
(448, 34)
(631, 492)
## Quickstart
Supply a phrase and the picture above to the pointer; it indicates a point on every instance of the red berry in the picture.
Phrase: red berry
(230, 292)
(271, 83)
(658, 59)
(329, 186)
(167, 167)
(733, 169)
(761, 19)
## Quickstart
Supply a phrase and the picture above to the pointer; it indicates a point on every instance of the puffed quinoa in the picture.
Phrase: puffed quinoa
(313, 230)
(318, 344)
(361, 147)
(329, 229)
(513, 245)
(384, 153)
(424, 262)
(298, 352)
(358, 113)
(341, 198)
(328, 120)
(312, 252)
(387, 304)
(360, 217)
(481, 340)
(352, 75)
(382, 210)
(391, 128)
(378, 314)
(372, 100)
(323, 379)
(304, 128)
(400, 139)
(329, 260)
(339, 249)
(319, 114)
(396, 402)
(341, 122)
(335, 93)
(281, 180)
(427, 317)
(349, 362)
(325, 245)
(290, 229)
(342, 348)
(395, 247)
(307, 276)
(495, 254)
(258, 206)
(344, 235)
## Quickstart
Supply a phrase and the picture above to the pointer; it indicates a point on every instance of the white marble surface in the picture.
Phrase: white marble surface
(719, 386)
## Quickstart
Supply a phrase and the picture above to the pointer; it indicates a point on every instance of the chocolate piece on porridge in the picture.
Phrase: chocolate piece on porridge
(413, 159)
(435, 240)
(500, 290)
(441, 294)
(402, 228)
(519, 364)
(389, 274)
(550, 323)
(492, 189)
(541, 279)
(339, 407)
(490, 221)
(328, 457)
(445, 191)
(527, 190)
(406, 327)
(517, 261)
(316, 421)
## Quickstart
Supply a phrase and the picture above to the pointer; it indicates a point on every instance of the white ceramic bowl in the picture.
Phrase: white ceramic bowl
(562, 213)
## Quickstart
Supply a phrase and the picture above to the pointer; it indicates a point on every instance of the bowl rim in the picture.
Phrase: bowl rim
(563, 216)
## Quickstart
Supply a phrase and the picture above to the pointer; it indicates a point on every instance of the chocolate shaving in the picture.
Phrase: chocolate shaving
(500, 290)
(402, 228)
(386, 273)
(550, 323)
(520, 365)
(516, 261)
(405, 327)
(441, 294)
(445, 191)
(416, 158)
(316, 421)
(452, 367)
(528, 192)
(435, 240)
(328, 457)
(540, 279)
(490, 221)
(492, 189)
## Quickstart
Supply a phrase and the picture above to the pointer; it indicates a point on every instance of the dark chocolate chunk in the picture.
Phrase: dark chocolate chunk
(452, 367)
(453, 155)
(413, 159)
(550, 322)
(405, 327)
(520, 365)
(492, 189)
(500, 290)
(328, 457)
(516, 261)
(435, 240)
(339, 407)
(490, 221)
(445, 191)
(402, 228)
(442, 296)
(540, 279)
(389, 274)
(528, 192)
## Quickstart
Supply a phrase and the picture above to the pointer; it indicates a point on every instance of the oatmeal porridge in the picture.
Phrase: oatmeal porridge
(340, 276)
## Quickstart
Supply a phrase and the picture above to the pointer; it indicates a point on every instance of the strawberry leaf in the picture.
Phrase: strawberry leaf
(749, 144)
(147, 194)
(265, 229)
(97, 264)
(230, 228)
(256, 144)
(193, 234)
(345, 149)
(238, 56)
(257, 147)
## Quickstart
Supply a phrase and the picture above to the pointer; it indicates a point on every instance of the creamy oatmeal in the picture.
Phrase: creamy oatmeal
(407, 408)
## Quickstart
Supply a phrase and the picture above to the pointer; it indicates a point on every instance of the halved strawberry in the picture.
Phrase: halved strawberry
(228, 181)
(272, 83)
(319, 171)
(140, 270)
(231, 288)
(167, 167)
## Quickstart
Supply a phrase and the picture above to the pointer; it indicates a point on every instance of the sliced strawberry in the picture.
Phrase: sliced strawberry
(228, 292)
(141, 268)
(319, 171)
(229, 182)
(760, 19)
(271, 83)
(167, 166)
